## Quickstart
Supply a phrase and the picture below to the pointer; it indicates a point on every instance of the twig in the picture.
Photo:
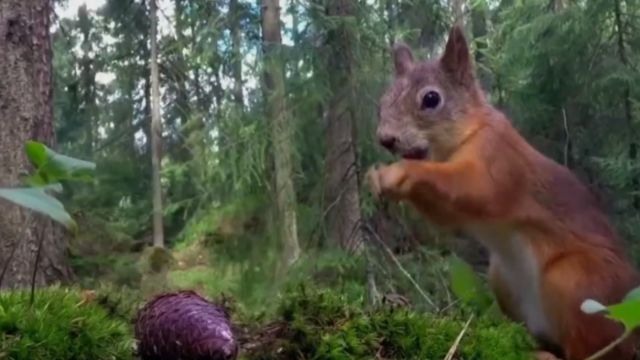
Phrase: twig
(37, 263)
(456, 343)
(567, 141)
(402, 269)
(372, 289)
(450, 305)
(610, 347)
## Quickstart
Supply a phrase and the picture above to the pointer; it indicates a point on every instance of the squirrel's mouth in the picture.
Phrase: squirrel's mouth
(416, 154)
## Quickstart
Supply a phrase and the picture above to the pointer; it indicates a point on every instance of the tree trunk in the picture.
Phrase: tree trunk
(26, 113)
(479, 14)
(280, 129)
(559, 5)
(88, 109)
(341, 181)
(632, 151)
(457, 7)
(236, 53)
(156, 132)
(390, 8)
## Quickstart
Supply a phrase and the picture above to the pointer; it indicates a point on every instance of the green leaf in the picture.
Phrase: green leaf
(38, 200)
(466, 285)
(633, 295)
(627, 312)
(36, 152)
(53, 167)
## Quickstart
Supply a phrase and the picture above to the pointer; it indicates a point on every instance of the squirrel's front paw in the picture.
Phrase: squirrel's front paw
(372, 181)
(388, 181)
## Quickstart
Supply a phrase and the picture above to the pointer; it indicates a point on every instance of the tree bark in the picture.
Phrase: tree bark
(88, 109)
(156, 132)
(342, 198)
(26, 113)
(236, 53)
(479, 13)
(390, 8)
(632, 151)
(457, 7)
(280, 129)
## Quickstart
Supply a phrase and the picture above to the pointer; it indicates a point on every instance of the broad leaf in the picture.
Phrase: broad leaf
(633, 295)
(53, 167)
(38, 200)
(466, 285)
(36, 152)
(627, 312)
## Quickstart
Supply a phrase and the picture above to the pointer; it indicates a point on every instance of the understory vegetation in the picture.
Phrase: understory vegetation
(263, 147)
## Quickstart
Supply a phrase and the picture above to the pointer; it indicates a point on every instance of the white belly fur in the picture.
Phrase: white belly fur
(520, 270)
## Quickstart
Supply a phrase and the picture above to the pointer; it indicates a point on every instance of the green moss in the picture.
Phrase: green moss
(155, 259)
(491, 339)
(59, 325)
(325, 325)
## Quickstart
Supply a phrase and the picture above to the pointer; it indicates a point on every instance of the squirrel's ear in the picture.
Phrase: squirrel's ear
(456, 60)
(402, 58)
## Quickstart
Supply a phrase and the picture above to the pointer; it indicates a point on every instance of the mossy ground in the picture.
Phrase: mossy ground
(60, 324)
(309, 323)
(322, 324)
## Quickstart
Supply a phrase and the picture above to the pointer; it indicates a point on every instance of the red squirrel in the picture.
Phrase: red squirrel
(465, 166)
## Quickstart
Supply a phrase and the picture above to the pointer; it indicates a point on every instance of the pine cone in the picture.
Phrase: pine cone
(183, 325)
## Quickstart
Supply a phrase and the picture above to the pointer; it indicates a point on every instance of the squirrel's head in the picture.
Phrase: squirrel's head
(427, 99)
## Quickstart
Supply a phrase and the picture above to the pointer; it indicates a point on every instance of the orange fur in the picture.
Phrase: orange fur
(551, 245)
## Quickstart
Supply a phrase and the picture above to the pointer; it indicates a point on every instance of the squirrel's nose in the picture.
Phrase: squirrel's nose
(388, 141)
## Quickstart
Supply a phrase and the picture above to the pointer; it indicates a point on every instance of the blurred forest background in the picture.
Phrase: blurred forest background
(266, 112)
(268, 121)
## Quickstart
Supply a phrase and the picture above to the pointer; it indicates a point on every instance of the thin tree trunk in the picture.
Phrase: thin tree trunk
(632, 151)
(341, 182)
(87, 79)
(180, 77)
(559, 5)
(26, 113)
(390, 7)
(236, 42)
(457, 7)
(156, 132)
(479, 13)
(280, 129)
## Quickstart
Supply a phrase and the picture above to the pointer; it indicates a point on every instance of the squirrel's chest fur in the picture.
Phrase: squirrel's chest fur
(520, 275)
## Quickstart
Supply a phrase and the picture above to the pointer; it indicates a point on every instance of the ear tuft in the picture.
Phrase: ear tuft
(402, 58)
(456, 59)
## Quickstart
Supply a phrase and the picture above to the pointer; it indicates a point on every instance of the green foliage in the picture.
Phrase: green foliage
(121, 269)
(626, 312)
(325, 324)
(51, 168)
(467, 286)
(39, 200)
(60, 326)
(209, 280)
(120, 302)
(334, 270)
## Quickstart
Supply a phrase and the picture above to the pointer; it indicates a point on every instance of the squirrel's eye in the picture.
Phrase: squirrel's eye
(430, 100)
